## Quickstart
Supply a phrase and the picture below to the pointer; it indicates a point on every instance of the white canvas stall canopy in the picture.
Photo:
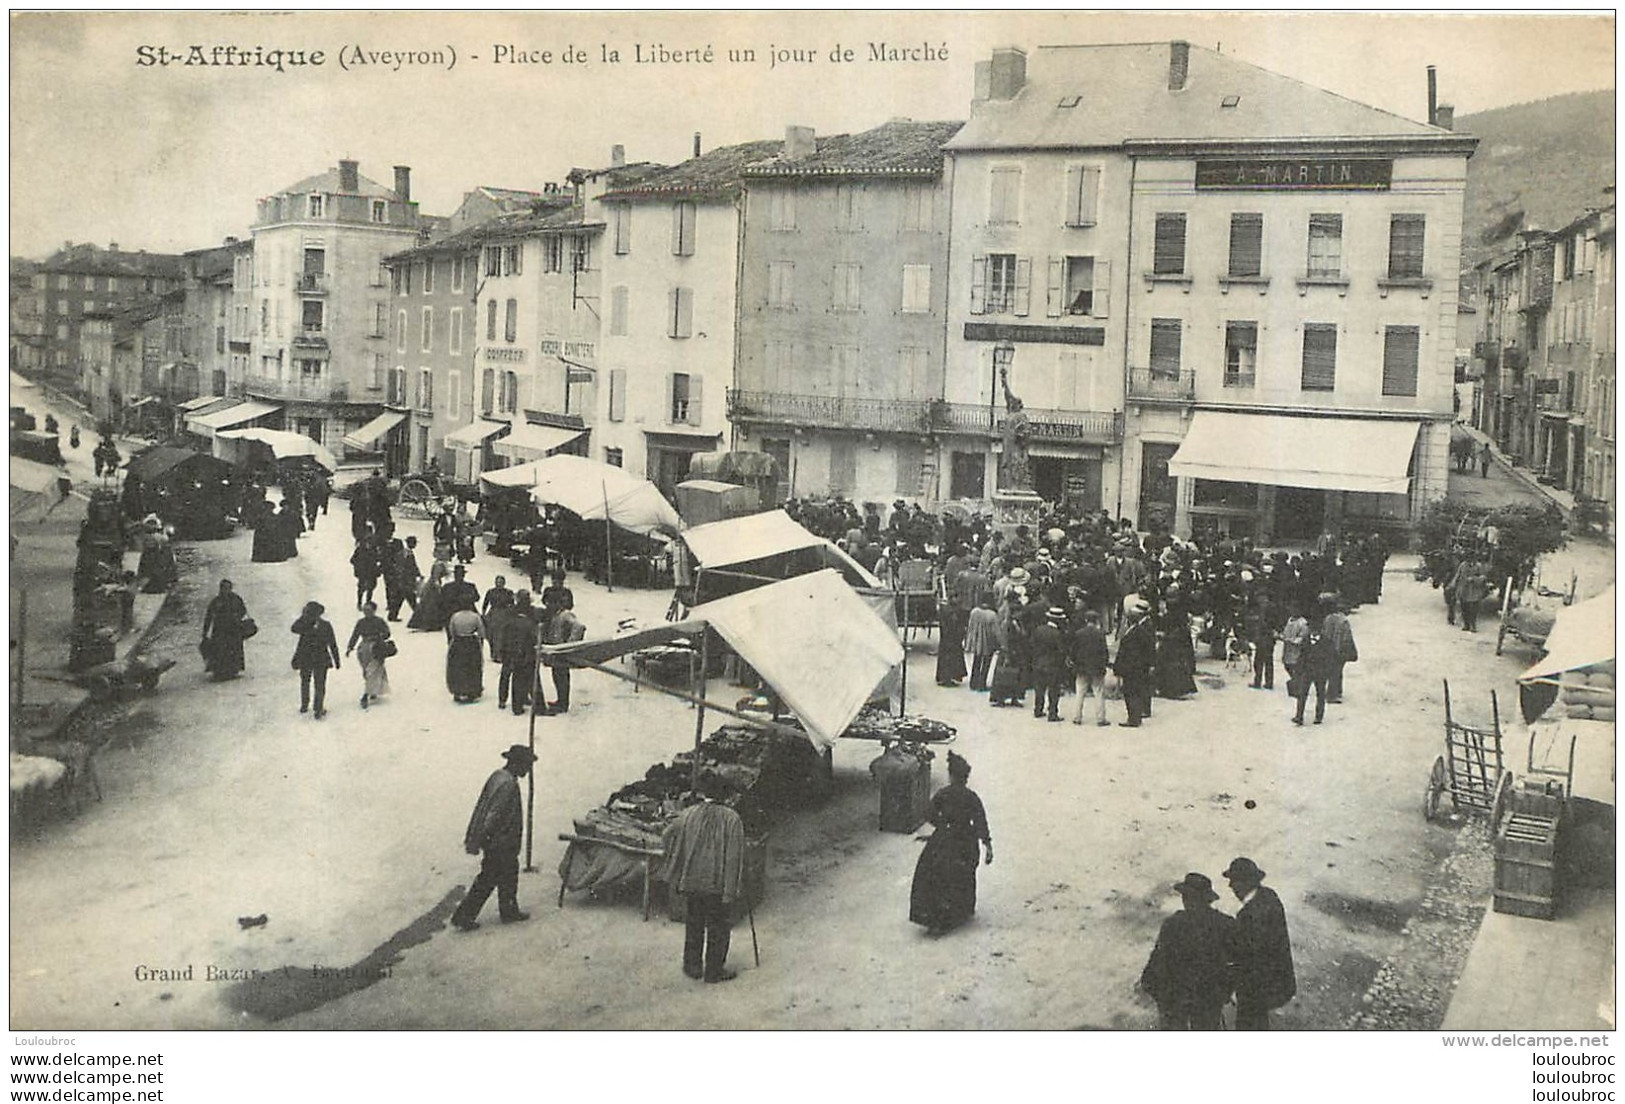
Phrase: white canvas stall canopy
(593, 492)
(1582, 637)
(366, 437)
(746, 551)
(216, 420)
(532, 442)
(473, 435)
(1333, 454)
(283, 444)
(217, 402)
(815, 642)
(36, 489)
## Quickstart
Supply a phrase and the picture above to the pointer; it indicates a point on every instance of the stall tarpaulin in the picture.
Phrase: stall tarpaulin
(764, 537)
(284, 444)
(592, 491)
(817, 643)
(1582, 636)
(36, 489)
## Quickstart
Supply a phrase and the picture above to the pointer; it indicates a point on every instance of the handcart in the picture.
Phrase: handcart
(919, 597)
(1527, 620)
(1470, 770)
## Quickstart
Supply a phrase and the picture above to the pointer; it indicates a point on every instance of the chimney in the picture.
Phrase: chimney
(617, 156)
(983, 82)
(1433, 95)
(696, 143)
(1007, 73)
(1445, 116)
(349, 176)
(799, 142)
(1179, 65)
(112, 247)
(403, 183)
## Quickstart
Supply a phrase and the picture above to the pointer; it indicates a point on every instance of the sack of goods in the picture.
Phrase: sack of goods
(1588, 695)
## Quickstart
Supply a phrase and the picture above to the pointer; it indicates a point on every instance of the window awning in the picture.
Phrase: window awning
(143, 401)
(364, 438)
(230, 416)
(683, 440)
(1334, 454)
(532, 442)
(219, 402)
(473, 435)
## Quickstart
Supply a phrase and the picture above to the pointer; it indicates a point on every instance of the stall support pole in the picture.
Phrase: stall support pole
(609, 549)
(902, 698)
(530, 779)
(699, 715)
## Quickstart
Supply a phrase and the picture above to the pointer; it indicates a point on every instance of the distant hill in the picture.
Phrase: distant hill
(1537, 165)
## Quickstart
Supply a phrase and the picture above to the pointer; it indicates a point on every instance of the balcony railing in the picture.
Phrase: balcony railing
(1158, 386)
(317, 390)
(833, 411)
(313, 283)
(311, 336)
(919, 416)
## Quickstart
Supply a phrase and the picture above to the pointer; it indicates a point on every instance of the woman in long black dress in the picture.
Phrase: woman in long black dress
(223, 634)
(944, 891)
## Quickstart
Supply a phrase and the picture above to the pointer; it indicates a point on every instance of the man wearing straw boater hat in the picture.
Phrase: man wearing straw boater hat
(496, 828)
(1188, 974)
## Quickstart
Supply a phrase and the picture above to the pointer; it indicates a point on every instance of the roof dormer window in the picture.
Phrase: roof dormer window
(315, 205)
(1230, 101)
(1070, 101)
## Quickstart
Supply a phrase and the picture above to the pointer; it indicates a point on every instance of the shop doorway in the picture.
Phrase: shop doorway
(1300, 514)
(779, 449)
(968, 475)
(1159, 491)
(1073, 482)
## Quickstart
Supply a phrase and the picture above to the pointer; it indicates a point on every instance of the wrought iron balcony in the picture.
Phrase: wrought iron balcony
(832, 411)
(1155, 385)
(311, 390)
(1098, 427)
(313, 283)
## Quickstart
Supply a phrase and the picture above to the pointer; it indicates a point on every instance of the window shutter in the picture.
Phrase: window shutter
(1024, 286)
(617, 394)
(978, 285)
(1166, 339)
(1400, 347)
(1089, 198)
(1319, 357)
(1168, 251)
(671, 313)
(696, 393)
(671, 387)
(1100, 308)
(623, 228)
(617, 311)
(1405, 240)
(1246, 244)
(1066, 381)
(685, 312)
(1073, 216)
(1052, 299)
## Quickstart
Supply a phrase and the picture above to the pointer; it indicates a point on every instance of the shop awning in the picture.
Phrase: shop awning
(810, 638)
(1333, 454)
(1582, 636)
(684, 440)
(192, 406)
(284, 444)
(473, 435)
(532, 442)
(210, 423)
(363, 439)
(144, 400)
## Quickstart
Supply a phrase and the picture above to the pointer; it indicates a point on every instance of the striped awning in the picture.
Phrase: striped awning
(367, 436)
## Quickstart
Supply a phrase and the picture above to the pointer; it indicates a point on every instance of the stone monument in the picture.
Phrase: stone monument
(1015, 502)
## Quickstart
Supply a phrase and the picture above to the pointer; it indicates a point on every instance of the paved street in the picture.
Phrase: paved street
(223, 802)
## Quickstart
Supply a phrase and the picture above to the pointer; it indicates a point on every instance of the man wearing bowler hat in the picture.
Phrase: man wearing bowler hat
(1261, 953)
(495, 828)
(1188, 974)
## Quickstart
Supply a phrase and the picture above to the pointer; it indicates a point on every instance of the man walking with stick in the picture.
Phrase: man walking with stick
(705, 862)
(495, 828)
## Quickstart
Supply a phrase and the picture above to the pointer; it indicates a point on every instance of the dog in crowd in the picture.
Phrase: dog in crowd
(1238, 653)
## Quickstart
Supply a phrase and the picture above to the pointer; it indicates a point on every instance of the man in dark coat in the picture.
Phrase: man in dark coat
(496, 828)
(1261, 951)
(1136, 656)
(1089, 659)
(705, 862)
(402, 576)
(460, 593)
(1188, 974)
(1049, 664)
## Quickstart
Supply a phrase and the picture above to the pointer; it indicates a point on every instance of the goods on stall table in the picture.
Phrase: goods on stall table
(874, 723)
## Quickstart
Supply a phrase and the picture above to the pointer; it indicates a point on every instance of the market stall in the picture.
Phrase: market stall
(819, 647)
(192, 491)
(285, 448)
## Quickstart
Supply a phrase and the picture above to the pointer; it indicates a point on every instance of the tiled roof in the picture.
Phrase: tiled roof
(715, 175)
(1120, 93)
(329, 182)
(502, 228)
(90, 260)
(901, 147)
(509, 199)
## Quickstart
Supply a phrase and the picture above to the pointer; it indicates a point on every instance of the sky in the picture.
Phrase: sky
(109, 143)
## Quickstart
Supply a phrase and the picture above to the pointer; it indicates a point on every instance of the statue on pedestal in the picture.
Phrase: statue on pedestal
(1015, 474)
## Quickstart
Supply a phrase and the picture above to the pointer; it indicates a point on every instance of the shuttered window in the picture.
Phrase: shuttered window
(910, 467)
(617, 310)
(490, 319)
(846, 289)
(510, 326)
(1166, 338)
(1246, 244)
(1405, 237)
(1400, 347)
(617, 394)
(1325, 246)
(682, 229)
(1168, 252)
(916, 288)
(680, 312)
(623, 228)
(1004, 196)
(1319, 356)
(843, 465)
(1082, 195)
(781, 284)
(1240, 353)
